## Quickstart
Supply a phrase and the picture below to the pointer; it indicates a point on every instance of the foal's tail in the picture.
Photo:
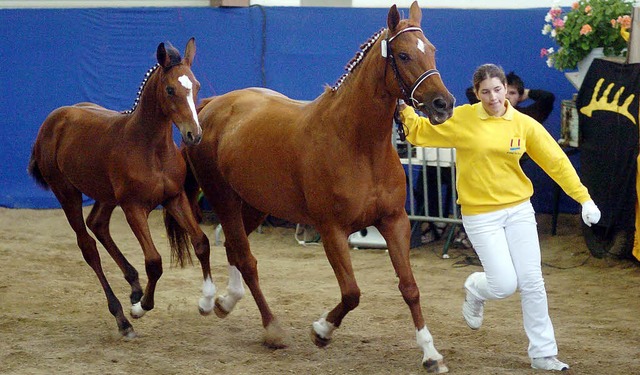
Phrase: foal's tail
(34, 170)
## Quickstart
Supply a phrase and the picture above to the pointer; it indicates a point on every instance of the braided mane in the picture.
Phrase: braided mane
(144, 82)
(364, 48)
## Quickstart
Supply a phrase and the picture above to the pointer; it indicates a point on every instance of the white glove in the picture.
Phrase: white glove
(590, 213)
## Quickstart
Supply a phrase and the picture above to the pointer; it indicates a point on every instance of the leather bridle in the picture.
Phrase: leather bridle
(387, 53)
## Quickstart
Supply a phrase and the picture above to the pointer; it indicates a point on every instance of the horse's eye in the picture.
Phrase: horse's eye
(171, 91)
(403, 56)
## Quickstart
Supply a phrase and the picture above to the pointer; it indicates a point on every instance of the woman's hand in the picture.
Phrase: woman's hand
(401, 105)
(590, 213)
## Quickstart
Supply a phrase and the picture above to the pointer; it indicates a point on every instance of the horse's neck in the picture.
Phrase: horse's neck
(148, 120)
(366, 102)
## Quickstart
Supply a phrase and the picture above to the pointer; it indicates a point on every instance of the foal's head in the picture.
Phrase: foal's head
(177, 90)
(412, 58)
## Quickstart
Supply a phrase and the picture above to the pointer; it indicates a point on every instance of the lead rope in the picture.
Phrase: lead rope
(396, 117)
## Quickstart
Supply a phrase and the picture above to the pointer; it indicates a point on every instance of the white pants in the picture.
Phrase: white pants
(507, 244)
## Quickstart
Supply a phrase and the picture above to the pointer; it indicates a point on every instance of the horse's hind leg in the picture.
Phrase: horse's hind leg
(71, 201)
(336, 248)
(251, 219)
(180, 209)
(137, 218)
(98, 221)
(240, 256)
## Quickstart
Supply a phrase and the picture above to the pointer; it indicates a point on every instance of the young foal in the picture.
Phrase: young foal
(329, 163)
(130, 160)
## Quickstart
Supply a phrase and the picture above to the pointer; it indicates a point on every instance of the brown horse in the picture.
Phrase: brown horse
(329, 163)
(129, 160)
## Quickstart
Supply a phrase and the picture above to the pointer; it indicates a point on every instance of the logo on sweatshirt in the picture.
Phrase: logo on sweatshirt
(515, 145)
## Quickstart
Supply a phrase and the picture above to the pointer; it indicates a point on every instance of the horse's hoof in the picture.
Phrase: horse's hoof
(436, 367)
(205, 306)
(220, 312)
(274, 336)
(137, 311)
(128, 333)
(203, 312)
(320, 342)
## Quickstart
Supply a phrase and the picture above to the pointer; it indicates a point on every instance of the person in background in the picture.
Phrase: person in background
(494, 195)
(542, 104)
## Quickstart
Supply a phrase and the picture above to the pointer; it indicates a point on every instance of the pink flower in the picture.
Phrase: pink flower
(587, 9)
(575, 5)
(555, 12)
(558, 23)
(544, 52)
(585, 29)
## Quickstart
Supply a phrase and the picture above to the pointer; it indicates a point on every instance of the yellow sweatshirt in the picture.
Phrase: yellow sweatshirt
(488, 152)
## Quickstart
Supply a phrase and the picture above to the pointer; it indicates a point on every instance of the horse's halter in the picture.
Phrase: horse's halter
(387, 53)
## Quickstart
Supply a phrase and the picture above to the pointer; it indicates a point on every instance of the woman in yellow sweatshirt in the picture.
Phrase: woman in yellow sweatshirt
(490, 137)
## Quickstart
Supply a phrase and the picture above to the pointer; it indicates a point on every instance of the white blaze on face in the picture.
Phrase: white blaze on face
(186, 82)
(420, 45)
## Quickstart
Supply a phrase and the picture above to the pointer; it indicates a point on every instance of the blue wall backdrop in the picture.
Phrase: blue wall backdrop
(55, 57)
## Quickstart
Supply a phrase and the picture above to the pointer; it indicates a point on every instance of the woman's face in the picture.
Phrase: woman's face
(492, 94)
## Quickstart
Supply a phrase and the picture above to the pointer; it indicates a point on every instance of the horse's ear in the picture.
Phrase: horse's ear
(393, 18)
(415, 13)
(190, 51)
(163, 57)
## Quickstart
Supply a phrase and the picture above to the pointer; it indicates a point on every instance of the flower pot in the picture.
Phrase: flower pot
(576, 78)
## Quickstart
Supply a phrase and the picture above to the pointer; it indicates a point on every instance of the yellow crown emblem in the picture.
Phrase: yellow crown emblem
(603, 105)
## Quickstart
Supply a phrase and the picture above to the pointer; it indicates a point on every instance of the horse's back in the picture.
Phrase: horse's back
(250, 138)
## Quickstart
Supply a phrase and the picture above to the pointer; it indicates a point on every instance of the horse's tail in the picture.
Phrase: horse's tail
(178, 240)
(34, 170)
(178, 237)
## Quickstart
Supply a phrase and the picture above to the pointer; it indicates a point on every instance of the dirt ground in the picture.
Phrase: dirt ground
(54, 318)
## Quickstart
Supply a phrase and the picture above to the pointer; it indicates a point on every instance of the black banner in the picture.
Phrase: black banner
(607, 106)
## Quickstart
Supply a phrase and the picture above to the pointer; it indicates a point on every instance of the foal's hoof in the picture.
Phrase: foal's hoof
(320, 342)
(220, 312)
(436, 367)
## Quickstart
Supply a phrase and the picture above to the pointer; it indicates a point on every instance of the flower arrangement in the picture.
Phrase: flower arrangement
(589, 24)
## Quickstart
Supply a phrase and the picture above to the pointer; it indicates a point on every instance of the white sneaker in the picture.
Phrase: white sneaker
(472, 310)
(549, 363)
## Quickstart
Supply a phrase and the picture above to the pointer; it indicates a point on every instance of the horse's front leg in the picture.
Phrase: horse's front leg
(336, 248)
(137, 218)
(180, 209)
(396, 231)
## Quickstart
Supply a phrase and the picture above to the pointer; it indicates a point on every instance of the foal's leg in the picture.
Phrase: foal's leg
(336, 248)
(180, 209)
(71, 201)
(137, 217)
(98, 221)
(396, 231)
(251, 218)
